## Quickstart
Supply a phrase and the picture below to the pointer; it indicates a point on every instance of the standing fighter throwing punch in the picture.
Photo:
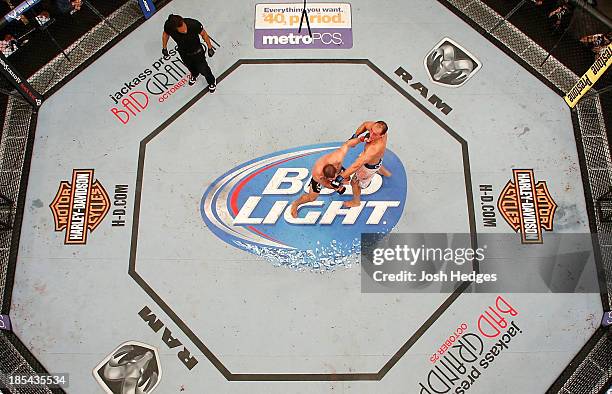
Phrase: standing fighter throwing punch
(324, 174)
(369, 162)
(186, 32)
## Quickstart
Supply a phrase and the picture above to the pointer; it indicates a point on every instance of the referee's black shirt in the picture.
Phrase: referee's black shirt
(188, 42)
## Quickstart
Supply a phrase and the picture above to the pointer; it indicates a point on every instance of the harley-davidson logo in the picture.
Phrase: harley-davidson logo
(79, 205)
(527, 206)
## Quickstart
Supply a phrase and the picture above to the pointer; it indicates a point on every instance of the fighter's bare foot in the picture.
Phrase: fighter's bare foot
(294, 210)
(384, 172)
(351, 204)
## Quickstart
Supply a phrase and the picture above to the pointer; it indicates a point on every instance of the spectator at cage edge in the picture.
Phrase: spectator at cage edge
(186, 32)
(597, 42)
(43, 18)
(546, 3)
(68, 6)
(561, 15)
(8, 45)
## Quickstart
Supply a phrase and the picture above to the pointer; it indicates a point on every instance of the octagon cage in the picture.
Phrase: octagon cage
(558, 51)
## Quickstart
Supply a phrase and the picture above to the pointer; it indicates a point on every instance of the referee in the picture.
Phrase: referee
(186, 33)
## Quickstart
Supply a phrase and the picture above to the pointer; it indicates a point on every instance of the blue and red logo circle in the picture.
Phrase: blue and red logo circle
(249, 207)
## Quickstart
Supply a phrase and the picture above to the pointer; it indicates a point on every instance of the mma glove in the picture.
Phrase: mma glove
(211, 51)
(362, 137)
(165, 52)
(365, 137)
(336, 183)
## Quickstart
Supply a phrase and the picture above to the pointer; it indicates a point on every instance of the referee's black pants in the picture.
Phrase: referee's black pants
(196, 64)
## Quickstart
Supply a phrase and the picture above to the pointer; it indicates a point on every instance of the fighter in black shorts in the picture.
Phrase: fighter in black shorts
(317, 187)
(324, 173)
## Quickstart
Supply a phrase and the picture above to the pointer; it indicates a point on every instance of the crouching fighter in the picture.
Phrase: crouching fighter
(325, 173)
(369, 162)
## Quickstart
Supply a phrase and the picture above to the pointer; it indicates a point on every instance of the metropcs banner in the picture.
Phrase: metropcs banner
(276, 26)
(590, 77)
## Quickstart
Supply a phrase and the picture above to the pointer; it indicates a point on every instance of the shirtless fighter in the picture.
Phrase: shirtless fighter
(324, 174)
(369, 162)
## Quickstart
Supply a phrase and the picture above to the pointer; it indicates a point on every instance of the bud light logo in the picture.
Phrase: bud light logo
(249, 207)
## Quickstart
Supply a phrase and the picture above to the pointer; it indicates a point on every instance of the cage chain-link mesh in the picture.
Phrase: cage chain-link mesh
(17, 130)
(558, 56)
(540, 52)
